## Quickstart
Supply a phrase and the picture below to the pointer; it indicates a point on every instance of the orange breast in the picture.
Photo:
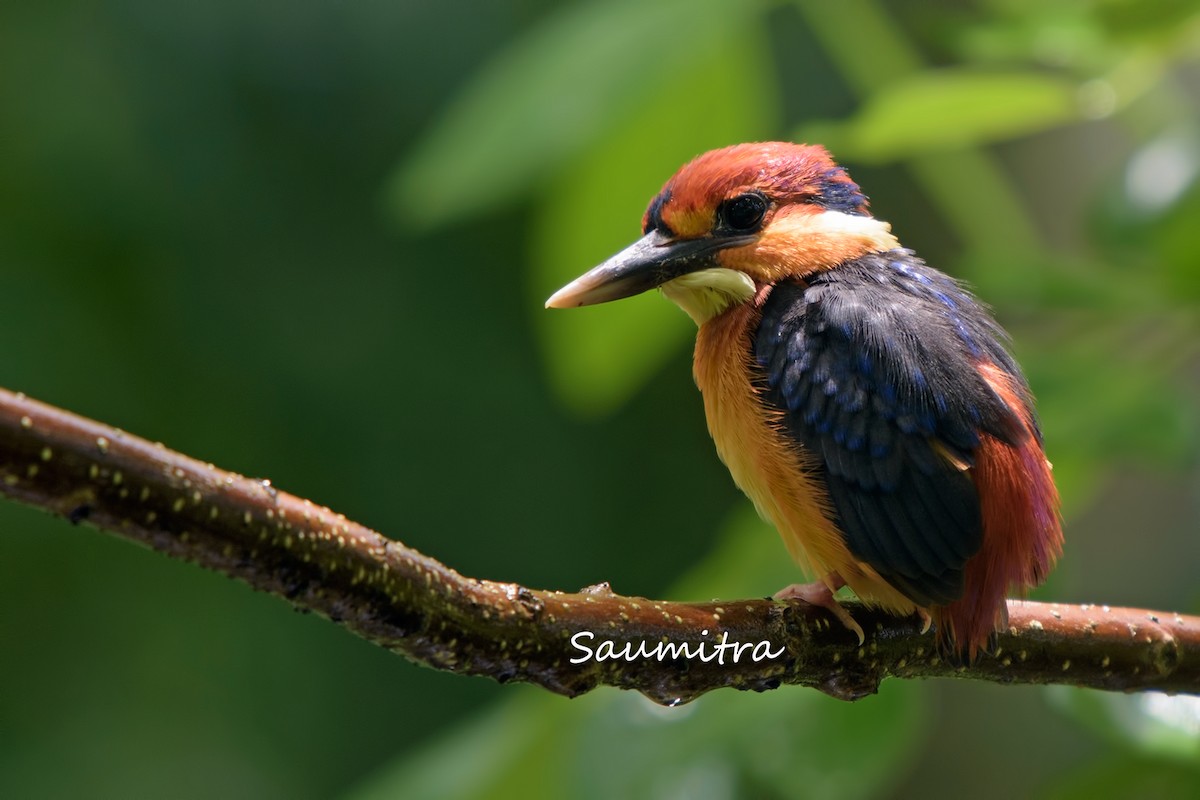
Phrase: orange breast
(770, 468)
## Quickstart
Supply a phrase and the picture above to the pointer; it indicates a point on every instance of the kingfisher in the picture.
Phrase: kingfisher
(865, 402)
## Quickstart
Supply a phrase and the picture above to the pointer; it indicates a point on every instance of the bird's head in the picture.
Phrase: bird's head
(733, 222)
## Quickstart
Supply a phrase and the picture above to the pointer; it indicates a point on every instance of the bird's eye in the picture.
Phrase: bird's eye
(742, 214)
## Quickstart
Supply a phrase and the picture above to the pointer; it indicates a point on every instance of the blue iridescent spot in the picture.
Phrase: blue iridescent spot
(946, 299)
(919, 378)
(908, 272)
(966, 337)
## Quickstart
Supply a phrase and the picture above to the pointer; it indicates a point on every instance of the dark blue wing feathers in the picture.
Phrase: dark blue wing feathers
(874, 365)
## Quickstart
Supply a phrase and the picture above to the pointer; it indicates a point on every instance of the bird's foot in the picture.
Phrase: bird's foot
(818, 593)
(926, 620)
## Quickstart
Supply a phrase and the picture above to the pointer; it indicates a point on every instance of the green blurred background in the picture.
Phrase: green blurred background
(310, 241)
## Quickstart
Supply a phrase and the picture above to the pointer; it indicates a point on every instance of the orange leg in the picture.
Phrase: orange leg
(820, 593)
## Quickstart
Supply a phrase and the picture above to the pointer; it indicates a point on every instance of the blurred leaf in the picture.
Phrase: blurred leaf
(1127, 778)
(1083, 36)
(1055, 34)
(730, 744)
(597, 357)
(1135, 20)
(878, 48)
(1152, 722)
(785, 743)
(1103, 394)
(1176, 243)
(1033, 281)
(493, 755)
(1144, 221)
(748, 561)
(552, 94)
(949, 109)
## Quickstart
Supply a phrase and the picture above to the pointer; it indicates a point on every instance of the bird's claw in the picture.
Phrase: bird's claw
(818, 594)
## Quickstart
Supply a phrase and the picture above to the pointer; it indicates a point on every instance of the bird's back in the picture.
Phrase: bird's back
(895, 384)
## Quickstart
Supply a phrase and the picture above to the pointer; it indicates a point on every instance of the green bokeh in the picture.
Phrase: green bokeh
(310, 242)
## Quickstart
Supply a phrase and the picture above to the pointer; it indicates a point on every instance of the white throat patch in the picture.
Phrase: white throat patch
(706, 293)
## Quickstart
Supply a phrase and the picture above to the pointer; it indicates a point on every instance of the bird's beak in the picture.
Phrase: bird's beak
(647, 263)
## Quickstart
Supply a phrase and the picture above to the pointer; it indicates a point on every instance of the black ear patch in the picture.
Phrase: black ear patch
(837, 192)
(653, 220)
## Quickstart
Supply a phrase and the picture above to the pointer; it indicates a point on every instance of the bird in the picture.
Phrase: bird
(865, 402)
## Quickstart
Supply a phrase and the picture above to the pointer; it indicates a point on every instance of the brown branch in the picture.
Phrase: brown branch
(415, 606)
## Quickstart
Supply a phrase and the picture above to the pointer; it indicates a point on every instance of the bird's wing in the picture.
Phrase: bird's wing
(875, 365)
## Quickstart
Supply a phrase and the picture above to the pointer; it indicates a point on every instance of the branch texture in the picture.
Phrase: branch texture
(568, 643)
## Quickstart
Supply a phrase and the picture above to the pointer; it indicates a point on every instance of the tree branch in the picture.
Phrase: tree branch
(423, 610)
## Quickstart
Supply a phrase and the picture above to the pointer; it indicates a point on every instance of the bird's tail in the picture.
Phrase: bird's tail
(1022, 531)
